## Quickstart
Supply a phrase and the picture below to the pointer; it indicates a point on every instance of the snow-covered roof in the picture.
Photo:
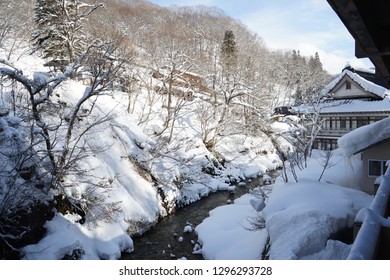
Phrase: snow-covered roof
(364, 137)
(367, 85)
(349, 106)
(354, 66)
(355, 105)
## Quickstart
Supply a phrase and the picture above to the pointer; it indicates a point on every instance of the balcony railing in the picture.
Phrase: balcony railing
(372, 226)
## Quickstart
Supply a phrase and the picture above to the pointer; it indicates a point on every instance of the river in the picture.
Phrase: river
(166, 240)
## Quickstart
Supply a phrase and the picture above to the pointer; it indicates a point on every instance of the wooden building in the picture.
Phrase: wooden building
(372, 142)
(353, 99)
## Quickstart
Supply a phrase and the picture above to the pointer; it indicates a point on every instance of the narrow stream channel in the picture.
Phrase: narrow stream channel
(166, 240)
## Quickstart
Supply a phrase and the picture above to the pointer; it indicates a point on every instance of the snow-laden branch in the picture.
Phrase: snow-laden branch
(35, 85)
(15, 74)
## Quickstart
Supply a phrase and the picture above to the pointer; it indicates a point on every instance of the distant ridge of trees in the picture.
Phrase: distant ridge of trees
(197, 31)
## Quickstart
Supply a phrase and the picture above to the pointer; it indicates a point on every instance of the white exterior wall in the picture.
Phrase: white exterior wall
(341, 91)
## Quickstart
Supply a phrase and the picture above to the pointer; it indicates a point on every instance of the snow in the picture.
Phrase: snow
(252, 172)
(365, 136)
(224, 234)
(108, 240)
(300, 217)
(188, 229)
(251, 154)
(258, 204)
(355, 105)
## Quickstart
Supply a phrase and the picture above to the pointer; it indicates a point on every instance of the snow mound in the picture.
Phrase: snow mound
(225, 235)
(252, 172)
(188, 229)
(65, 237)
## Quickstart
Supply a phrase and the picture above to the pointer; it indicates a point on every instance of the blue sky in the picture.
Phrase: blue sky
(306, 25)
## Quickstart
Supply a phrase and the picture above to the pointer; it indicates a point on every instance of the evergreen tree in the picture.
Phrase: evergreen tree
(48, 18)
(229, 50)
(59, 34)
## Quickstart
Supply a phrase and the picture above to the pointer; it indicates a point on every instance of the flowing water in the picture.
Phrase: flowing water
(166, 240)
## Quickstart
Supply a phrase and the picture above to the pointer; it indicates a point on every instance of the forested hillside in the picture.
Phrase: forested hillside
(113, 114)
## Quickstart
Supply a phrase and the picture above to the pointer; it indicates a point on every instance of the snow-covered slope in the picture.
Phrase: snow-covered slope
(139, 177)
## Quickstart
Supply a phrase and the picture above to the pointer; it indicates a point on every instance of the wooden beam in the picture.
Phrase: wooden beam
(369, 23)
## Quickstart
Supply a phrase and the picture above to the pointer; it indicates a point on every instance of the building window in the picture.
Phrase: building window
(327, 123)
(376, 168)
(347, 85)
(343, 123)
(353, 123)
(361, 121)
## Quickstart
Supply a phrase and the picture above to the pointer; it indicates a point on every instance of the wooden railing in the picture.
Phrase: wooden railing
(372, 226)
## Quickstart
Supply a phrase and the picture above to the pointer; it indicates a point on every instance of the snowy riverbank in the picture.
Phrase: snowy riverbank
(138, 177)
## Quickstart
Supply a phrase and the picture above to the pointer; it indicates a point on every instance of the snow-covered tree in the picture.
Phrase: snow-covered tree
(54, 132)
(241, 103)
(59, 34)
